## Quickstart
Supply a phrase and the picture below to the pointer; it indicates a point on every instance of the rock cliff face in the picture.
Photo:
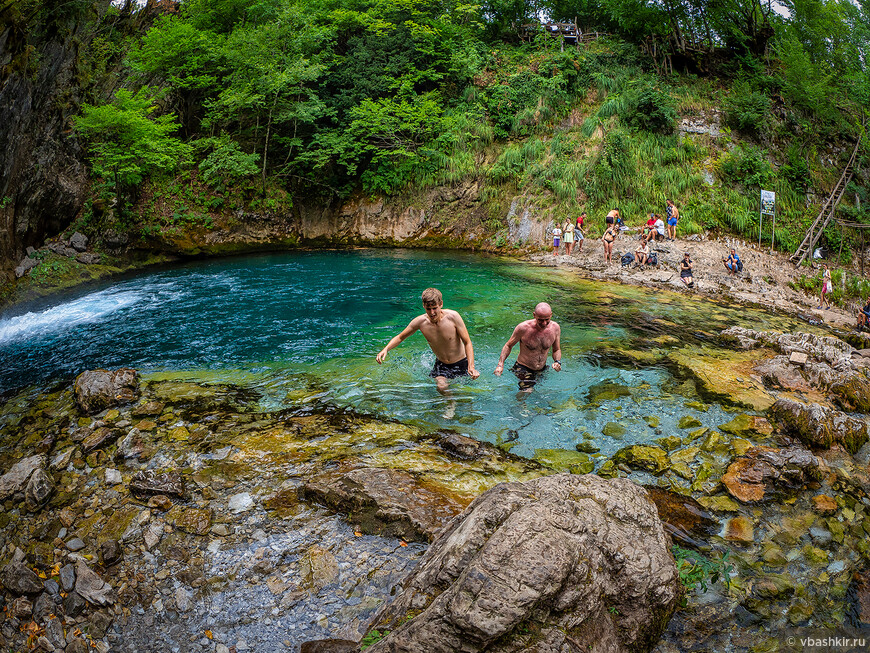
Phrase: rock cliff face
(43, 180)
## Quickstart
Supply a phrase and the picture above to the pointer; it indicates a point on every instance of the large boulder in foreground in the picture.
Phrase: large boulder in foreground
(817, 426)
(558, 563)
(97, 390)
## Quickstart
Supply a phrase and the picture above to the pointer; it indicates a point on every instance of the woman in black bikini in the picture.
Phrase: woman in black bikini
(608, 238)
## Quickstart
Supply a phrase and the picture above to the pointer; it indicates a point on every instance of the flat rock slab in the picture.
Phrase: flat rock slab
(16, 478)
(91, 587)
(798, 358)
(101, 437)
(384, 502)
(151, 482)
(753, 477)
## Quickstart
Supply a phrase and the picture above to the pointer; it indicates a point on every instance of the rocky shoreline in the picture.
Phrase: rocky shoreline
(170, 515)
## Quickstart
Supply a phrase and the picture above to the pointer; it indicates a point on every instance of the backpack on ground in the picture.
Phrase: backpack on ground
(740, 265)
(627, 259)
(652, 259)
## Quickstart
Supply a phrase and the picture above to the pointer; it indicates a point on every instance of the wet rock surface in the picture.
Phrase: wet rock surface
(96, 390)
(764, 470)
(384, 502)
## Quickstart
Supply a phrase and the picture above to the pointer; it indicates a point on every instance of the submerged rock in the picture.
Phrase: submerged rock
(384, 501)
(651, 459)
(818, 426)
(753, 476)
(585, 559)
(684, 518)
(96, 390)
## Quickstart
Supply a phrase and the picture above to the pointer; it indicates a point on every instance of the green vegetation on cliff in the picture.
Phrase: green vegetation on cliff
(290, 98)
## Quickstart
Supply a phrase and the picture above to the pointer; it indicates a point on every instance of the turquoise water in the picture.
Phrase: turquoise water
(273, 320)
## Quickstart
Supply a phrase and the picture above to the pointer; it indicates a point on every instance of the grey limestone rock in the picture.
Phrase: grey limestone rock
(817, 426)
(38, 490)
(586, 558)
(16, 478)
(79, 242)
(91, 587)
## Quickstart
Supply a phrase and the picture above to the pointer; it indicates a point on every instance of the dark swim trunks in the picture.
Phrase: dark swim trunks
(527, 376)
(450, 370)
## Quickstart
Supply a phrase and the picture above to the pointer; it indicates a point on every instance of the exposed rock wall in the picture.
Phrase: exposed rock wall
(43, 180)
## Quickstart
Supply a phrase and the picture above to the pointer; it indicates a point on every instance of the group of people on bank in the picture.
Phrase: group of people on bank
(448, 337)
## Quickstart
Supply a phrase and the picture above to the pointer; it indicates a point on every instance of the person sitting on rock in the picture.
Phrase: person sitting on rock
(732, 263)
(864, 315)
(686, 271)
(659, 226)
(641, 254)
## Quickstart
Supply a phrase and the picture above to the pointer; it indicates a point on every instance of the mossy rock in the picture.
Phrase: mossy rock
(564, 460)
(815, 555)
(644, 457)
(700, 406)
(587, 446)
(614, 430)
(689, 422)
(719, 503)
(670, 443)
(652, 421)
(608, 470)
(607, 392)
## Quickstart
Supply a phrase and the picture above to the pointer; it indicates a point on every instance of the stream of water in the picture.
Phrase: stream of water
(264, 320)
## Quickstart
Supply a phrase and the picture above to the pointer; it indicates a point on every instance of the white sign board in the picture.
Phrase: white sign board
(768, 202)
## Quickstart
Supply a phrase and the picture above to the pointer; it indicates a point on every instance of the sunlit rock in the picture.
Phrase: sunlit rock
(762, 470)
(648, 458)
(586, 559)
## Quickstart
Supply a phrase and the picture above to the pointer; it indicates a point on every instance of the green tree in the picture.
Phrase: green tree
(127, 141)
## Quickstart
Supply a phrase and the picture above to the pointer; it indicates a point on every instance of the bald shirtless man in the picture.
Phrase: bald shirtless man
(446, 334)
(535, 336)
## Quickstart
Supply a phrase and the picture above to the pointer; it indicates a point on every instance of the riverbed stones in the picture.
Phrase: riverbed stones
(78, 241)
(754, 476)
(684, 519)
(739, 529)
(586, 559)
(241, 502)
(18, 475)
(824, 505)
(96, 390)
(384, 501)
(818, 426)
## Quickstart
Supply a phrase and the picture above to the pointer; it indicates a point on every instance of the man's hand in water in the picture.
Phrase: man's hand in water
(557, 366)
(498, 369)
(473, 373)
(381, 356)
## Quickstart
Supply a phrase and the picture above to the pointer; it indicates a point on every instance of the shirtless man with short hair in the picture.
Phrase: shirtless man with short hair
(535, 336)
(446, 334)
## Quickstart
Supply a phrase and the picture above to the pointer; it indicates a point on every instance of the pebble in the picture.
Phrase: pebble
(113, 477)
(75, 544)
(241, 502)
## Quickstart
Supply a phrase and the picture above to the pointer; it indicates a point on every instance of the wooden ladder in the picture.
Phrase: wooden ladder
(827, 213)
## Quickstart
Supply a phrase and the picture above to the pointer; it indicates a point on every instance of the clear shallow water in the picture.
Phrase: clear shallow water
(266, 319)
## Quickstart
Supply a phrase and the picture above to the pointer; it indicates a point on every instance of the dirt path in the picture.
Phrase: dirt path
(764, 280)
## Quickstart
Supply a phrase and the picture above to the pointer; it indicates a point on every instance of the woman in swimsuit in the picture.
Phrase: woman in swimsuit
(608, 238)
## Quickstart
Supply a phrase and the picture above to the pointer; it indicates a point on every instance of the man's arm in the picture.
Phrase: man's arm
(557, 350)
(462, 332)
(506, 350)
(407, 331)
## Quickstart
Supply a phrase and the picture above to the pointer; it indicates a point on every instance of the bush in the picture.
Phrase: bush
(226, 162)
(652, 110)
(747, 110)
(746, 165)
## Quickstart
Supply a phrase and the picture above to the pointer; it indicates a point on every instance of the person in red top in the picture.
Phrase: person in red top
(578, 230)
(649, 230)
